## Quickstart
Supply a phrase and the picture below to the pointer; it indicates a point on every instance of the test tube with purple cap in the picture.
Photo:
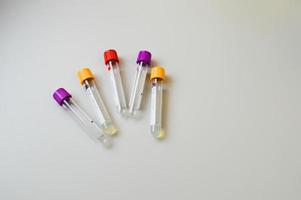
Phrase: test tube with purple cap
(143, 61)
(64, 99)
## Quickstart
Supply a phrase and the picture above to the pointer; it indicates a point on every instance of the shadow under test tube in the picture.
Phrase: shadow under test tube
(87, 80)
(64, 98)
(143, 61)
(112, 64)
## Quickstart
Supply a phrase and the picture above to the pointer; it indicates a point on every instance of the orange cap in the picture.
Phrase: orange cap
(157, 72)
(84, 74)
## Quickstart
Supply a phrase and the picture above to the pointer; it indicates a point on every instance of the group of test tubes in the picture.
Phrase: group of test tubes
(102, 129)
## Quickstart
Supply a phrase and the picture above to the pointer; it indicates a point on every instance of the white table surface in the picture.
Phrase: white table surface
(233, 100)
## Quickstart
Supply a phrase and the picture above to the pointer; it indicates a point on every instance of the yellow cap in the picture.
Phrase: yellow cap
(157, 72)
(84, 74)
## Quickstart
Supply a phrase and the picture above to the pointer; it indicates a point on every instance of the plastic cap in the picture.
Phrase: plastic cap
(144, 56)
(60, 95)
(157, 72)
(84, 74)
(110, 55)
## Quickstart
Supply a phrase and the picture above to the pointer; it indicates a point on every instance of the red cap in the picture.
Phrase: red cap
(110, 55)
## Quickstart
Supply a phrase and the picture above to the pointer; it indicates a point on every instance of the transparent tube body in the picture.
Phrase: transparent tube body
(88, 125)
(119, 95)
(138, 87)
(156, 108)
(105, 120)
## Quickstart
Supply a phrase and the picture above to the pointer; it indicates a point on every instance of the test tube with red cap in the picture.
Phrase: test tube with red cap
(143, 61)
(112, 64)
(64, 98)
(86, 78)
(157, 78)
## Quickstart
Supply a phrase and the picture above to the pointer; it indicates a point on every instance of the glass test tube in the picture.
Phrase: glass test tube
(112, 64)
(143, 61)
(63, 98)
(157, 78)
(87, 80)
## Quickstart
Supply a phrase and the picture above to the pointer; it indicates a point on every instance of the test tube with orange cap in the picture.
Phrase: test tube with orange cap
(112, 63)
(157, 77)
(87, 79)
(143, 61)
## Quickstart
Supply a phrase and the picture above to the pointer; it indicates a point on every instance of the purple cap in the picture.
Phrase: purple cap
(60, 95)
(144, 56)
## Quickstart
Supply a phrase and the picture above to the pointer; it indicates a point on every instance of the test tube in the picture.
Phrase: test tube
(64, 98)
(157, 77)
(143, 61)
(112, 64)
(87, 79)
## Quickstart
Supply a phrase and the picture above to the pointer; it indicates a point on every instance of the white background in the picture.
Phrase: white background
(233, 100)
